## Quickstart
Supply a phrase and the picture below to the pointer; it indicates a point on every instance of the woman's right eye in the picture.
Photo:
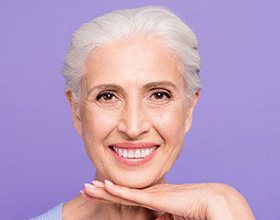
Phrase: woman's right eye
(105, 96)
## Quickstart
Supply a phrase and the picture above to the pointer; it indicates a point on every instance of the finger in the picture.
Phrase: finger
(163, 197)
(97, 183)
(139, 196)
(87, 196)
(100, 193)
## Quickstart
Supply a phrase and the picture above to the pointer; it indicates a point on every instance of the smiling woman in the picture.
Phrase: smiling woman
(133, 98)
(132, 81)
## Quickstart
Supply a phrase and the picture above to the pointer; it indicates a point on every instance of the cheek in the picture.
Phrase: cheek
(171, 123)
(171, 127)
(97, 125)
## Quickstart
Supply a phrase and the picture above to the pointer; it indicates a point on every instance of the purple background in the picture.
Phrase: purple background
(235, 133)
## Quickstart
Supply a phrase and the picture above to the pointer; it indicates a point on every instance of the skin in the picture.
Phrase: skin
(133, 91)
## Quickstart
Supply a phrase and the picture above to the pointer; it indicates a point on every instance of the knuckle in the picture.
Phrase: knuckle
(221, 193)
(222, 188)
(218, 188)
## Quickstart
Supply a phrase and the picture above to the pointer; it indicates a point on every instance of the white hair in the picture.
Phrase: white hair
(154, 20)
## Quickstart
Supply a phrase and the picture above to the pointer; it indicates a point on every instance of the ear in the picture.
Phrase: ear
(75, 110)
(188, 122)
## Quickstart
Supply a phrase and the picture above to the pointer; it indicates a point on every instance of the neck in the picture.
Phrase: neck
(83, 208)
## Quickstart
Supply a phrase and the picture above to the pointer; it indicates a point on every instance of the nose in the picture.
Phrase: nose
(133, 121)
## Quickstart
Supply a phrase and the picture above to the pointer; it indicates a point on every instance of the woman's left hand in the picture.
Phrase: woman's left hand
(212, 201)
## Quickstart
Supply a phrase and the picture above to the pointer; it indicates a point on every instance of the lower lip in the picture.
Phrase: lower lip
(134, 161)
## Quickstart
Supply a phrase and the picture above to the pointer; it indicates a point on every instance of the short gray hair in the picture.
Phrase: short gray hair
(154, 20)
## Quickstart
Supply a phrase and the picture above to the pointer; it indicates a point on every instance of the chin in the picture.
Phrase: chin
(134, 184)
(137, 180)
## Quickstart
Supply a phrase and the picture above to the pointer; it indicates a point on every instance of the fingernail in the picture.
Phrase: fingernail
(108, 183)
(83, 193)
(97, 183)
(89, 186)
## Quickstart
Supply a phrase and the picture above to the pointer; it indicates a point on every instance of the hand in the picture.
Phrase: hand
(212, 201)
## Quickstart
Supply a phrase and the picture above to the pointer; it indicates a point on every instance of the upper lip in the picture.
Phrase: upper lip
(127, 145)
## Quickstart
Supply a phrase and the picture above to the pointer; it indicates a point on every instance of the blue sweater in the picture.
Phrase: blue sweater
(53, 214)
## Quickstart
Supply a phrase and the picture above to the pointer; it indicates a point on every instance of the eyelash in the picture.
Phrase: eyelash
(162, 93)
(167, 95)
(103, 94)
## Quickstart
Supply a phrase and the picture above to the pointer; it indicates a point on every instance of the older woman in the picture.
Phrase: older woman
(132, 81)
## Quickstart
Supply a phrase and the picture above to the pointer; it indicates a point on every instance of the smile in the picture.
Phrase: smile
(134, 154)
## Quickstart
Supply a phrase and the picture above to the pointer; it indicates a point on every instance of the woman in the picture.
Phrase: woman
(132, 81)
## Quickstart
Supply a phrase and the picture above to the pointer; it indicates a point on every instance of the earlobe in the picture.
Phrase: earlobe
(75, 112)
(188, 121)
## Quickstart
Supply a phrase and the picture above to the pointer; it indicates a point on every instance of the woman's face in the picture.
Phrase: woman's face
(134, 112)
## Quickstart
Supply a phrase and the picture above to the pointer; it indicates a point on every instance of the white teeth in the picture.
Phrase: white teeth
(124, 153)
(137, 153)
(130, 154)
(120, 152)
(143, 153)
(147, 152)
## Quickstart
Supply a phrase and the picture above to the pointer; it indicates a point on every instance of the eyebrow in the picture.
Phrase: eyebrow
(112, 86)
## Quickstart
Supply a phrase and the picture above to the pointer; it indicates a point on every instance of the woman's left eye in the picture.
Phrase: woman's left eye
(160, 95)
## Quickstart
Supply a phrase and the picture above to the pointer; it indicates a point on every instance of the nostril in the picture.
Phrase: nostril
(133, 128)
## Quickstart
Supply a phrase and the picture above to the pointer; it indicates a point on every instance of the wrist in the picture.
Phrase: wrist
(227, 203)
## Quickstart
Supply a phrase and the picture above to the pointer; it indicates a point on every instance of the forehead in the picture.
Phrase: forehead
(137, 60)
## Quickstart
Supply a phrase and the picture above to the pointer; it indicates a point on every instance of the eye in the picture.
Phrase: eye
(161, 95)
(105, 96)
